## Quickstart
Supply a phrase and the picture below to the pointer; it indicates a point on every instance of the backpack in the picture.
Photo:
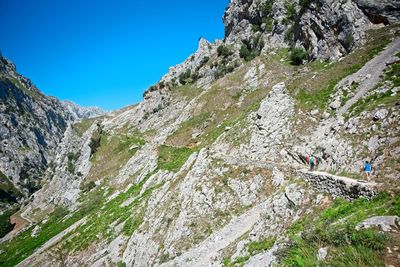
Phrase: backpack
(312, 160)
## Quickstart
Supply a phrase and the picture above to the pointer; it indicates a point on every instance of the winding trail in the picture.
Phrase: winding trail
(203, 253)
(53, 241)
(373, 69)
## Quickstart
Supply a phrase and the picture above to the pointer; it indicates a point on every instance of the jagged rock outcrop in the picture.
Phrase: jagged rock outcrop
(381, 11)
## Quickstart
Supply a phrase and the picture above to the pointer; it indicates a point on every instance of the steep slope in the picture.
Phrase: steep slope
(32, 126)
(209, 169)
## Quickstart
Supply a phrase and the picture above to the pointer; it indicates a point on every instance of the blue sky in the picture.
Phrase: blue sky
(103, 53)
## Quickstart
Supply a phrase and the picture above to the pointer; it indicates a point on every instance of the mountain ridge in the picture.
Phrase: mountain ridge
(213, 159)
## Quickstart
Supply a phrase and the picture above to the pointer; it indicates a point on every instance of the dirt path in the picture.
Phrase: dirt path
(27, 262)
(203, 253)
(373, 69)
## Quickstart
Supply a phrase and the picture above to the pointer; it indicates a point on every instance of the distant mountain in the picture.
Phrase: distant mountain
(79, 112)
(212, 167)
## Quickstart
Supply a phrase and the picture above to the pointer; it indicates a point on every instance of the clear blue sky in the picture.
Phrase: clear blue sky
(103, 53)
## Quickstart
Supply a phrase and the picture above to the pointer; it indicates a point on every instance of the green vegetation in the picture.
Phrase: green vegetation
(252, 48)
(130, 143)
(131, 225)
(260, 246)
(34, 94)
(81, 127)
(298, 55)
(290, 10)
(313, 90)
(373, 101)
(5, 224)
(172, 158)
(185, 77)
(224, 51)
(103, 213)
(8, 192)
(19, 248)
(335, 228)
(317, 99)
(252, 249)
(393, 74)
(72, 158)
(112, 152)
(86, 187)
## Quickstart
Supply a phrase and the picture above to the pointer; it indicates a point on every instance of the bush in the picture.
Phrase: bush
(290, 11)
(185, 76)
(5, 224)
(298, 55)
(224, 51)
(245, 53)
(86, 187)
(348, 42)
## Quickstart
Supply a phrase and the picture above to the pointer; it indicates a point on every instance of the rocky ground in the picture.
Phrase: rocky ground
(209, 169)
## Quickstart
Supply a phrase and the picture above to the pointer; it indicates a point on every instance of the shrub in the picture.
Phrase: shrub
(245, 53)
(5, 224)
(224, 51)
(289, 36)
(348, 42)
(185, 76)
(290, 11)
(298, 55)
(86, 187)
(255, 28)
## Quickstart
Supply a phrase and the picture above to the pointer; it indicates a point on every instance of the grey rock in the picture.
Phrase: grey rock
(385, 223)
(322, 253)
(380, 114)
(381, 11)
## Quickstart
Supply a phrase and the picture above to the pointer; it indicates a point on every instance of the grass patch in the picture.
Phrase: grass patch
(172, 158)
(335, 228)
(22, 246)
(103, 214)
(371, 102)
(81, 127)
(314, 88)
(252, 248)
(111, 153)
(131, 225)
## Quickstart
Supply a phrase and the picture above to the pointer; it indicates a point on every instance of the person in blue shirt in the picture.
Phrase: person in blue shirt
(367, 169)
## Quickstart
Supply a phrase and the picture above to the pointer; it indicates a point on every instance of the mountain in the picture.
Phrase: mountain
(32, 126)
(79, 112)
(210, 169)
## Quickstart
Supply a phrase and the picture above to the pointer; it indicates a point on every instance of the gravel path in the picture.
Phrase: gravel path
(373, 69)
(203, 253)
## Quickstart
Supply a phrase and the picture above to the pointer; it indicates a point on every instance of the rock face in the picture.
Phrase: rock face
(32, 126)
(382, 11)
(212, 172)
(328, 29)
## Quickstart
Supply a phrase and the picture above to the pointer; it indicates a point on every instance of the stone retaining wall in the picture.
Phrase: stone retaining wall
(338, 186)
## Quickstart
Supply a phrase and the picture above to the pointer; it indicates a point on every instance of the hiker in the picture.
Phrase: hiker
(312, 163)
(367, 169)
